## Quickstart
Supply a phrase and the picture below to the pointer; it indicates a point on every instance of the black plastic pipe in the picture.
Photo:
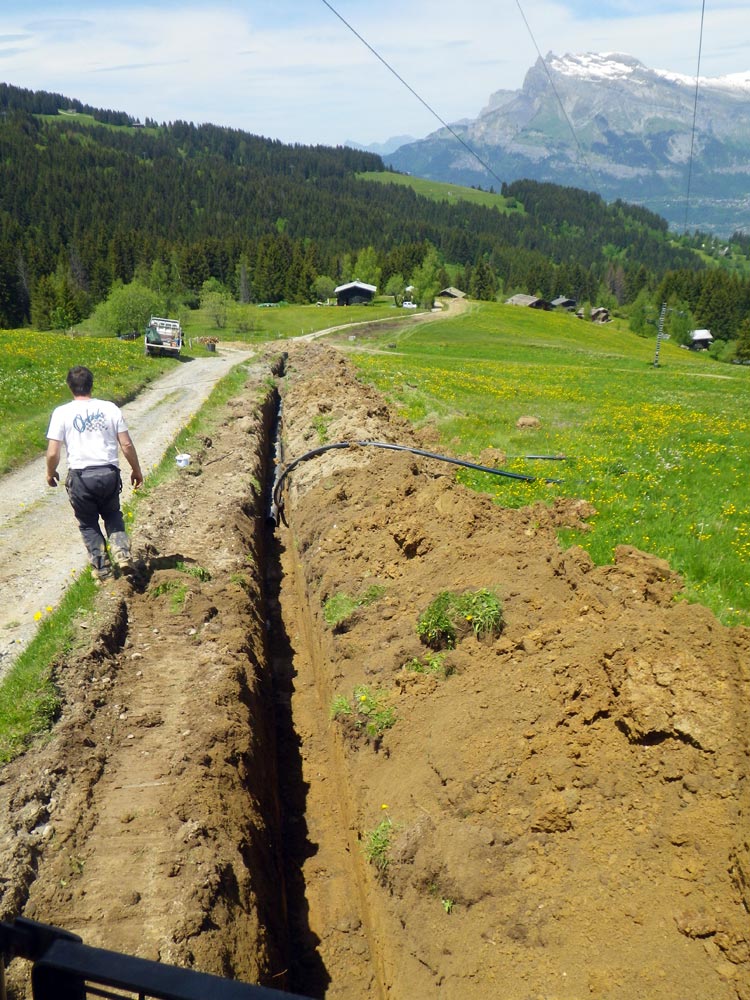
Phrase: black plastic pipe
(277, 506)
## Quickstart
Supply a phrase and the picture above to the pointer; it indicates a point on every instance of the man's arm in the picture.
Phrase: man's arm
(128, 450)
(54, 449)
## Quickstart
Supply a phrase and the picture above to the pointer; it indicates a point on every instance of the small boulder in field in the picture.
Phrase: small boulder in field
(492, 457)
(528, 423)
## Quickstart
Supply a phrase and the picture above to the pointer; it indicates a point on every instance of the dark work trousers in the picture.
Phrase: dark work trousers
(95, 493)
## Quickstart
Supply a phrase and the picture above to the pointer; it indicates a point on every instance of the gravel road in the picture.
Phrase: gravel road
(41, 551)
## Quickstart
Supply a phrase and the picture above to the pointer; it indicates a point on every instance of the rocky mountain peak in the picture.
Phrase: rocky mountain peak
(609, 120)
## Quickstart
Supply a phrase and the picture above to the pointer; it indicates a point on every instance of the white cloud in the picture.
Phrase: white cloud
(305, 77)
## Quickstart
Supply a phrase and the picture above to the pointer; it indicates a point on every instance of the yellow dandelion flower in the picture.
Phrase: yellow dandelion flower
(37, 616)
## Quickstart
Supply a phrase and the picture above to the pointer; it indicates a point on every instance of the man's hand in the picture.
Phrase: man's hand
(53, 460)
(128, 450)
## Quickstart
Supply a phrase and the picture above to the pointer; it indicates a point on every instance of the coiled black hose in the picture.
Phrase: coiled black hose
(277, 506)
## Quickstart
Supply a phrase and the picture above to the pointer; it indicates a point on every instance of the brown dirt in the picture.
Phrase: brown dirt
(567, 808)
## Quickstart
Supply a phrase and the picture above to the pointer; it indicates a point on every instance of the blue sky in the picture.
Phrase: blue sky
(291, 70)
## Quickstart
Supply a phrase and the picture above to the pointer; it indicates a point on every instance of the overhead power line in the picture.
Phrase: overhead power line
(695, 115)
(581, 153)
(411, 90)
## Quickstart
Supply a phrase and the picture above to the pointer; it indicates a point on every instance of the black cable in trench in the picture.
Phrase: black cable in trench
(277, 506)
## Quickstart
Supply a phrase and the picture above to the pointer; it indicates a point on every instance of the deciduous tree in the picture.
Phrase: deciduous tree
(395, 287)
(216, 302)
(127, 308)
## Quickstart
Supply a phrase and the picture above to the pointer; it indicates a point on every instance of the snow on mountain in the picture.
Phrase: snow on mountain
(607, 120)
(617, 66)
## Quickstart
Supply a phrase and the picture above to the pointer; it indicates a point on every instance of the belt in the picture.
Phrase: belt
(94, 468)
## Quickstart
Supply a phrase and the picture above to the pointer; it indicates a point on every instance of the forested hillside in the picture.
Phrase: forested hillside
(87, 202)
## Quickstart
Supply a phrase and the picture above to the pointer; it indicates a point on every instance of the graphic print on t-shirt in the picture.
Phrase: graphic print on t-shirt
(95, 421)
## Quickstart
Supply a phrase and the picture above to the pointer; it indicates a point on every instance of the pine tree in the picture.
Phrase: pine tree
(742, 351)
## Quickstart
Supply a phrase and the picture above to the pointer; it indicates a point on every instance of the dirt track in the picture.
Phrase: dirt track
(567, 807)
(40, 548)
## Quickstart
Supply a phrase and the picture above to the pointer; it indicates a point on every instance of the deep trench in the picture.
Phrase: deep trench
(307, 974)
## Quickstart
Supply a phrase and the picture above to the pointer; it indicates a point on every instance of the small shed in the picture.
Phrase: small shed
(563, 302)
(451, 293)
(530, 301)
(354, 293)
(600, 315)
(700, 340)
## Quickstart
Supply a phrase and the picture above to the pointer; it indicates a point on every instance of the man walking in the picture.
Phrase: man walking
(91, 430)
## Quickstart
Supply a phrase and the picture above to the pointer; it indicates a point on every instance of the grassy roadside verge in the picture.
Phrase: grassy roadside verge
(29, 698)
(32, 382)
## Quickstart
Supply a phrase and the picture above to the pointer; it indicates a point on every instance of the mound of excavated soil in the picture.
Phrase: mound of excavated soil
(574, 792)
(562, 807)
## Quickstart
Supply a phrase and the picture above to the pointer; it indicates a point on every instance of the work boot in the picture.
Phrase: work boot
(101, 567)
(119, 546)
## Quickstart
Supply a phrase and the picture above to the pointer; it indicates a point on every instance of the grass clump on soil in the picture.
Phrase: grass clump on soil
(368, 711)
(340, 706)
(377, 844)
(29, 700)
(321, 423)
(199, 572)
(451, 614)
(339, 607)
(177, 593)
(241, 580)
(432, 663)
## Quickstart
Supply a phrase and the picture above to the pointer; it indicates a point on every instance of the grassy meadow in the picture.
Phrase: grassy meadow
(660, 452)
(33, 366)
(254, 324)
(441, 191)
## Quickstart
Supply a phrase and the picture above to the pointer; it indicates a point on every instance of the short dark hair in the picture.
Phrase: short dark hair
(80, 380)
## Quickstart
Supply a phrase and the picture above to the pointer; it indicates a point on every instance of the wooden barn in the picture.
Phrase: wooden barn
(700, 340)
(529, 301)
(354, 293)
(563, 302)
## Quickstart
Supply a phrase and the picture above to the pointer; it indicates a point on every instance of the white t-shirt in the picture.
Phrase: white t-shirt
(89, 429)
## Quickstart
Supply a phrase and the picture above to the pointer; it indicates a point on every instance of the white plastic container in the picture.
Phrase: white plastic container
(183, 461)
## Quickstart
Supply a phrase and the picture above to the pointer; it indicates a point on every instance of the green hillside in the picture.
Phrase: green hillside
(439, 191)
(91, 201)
